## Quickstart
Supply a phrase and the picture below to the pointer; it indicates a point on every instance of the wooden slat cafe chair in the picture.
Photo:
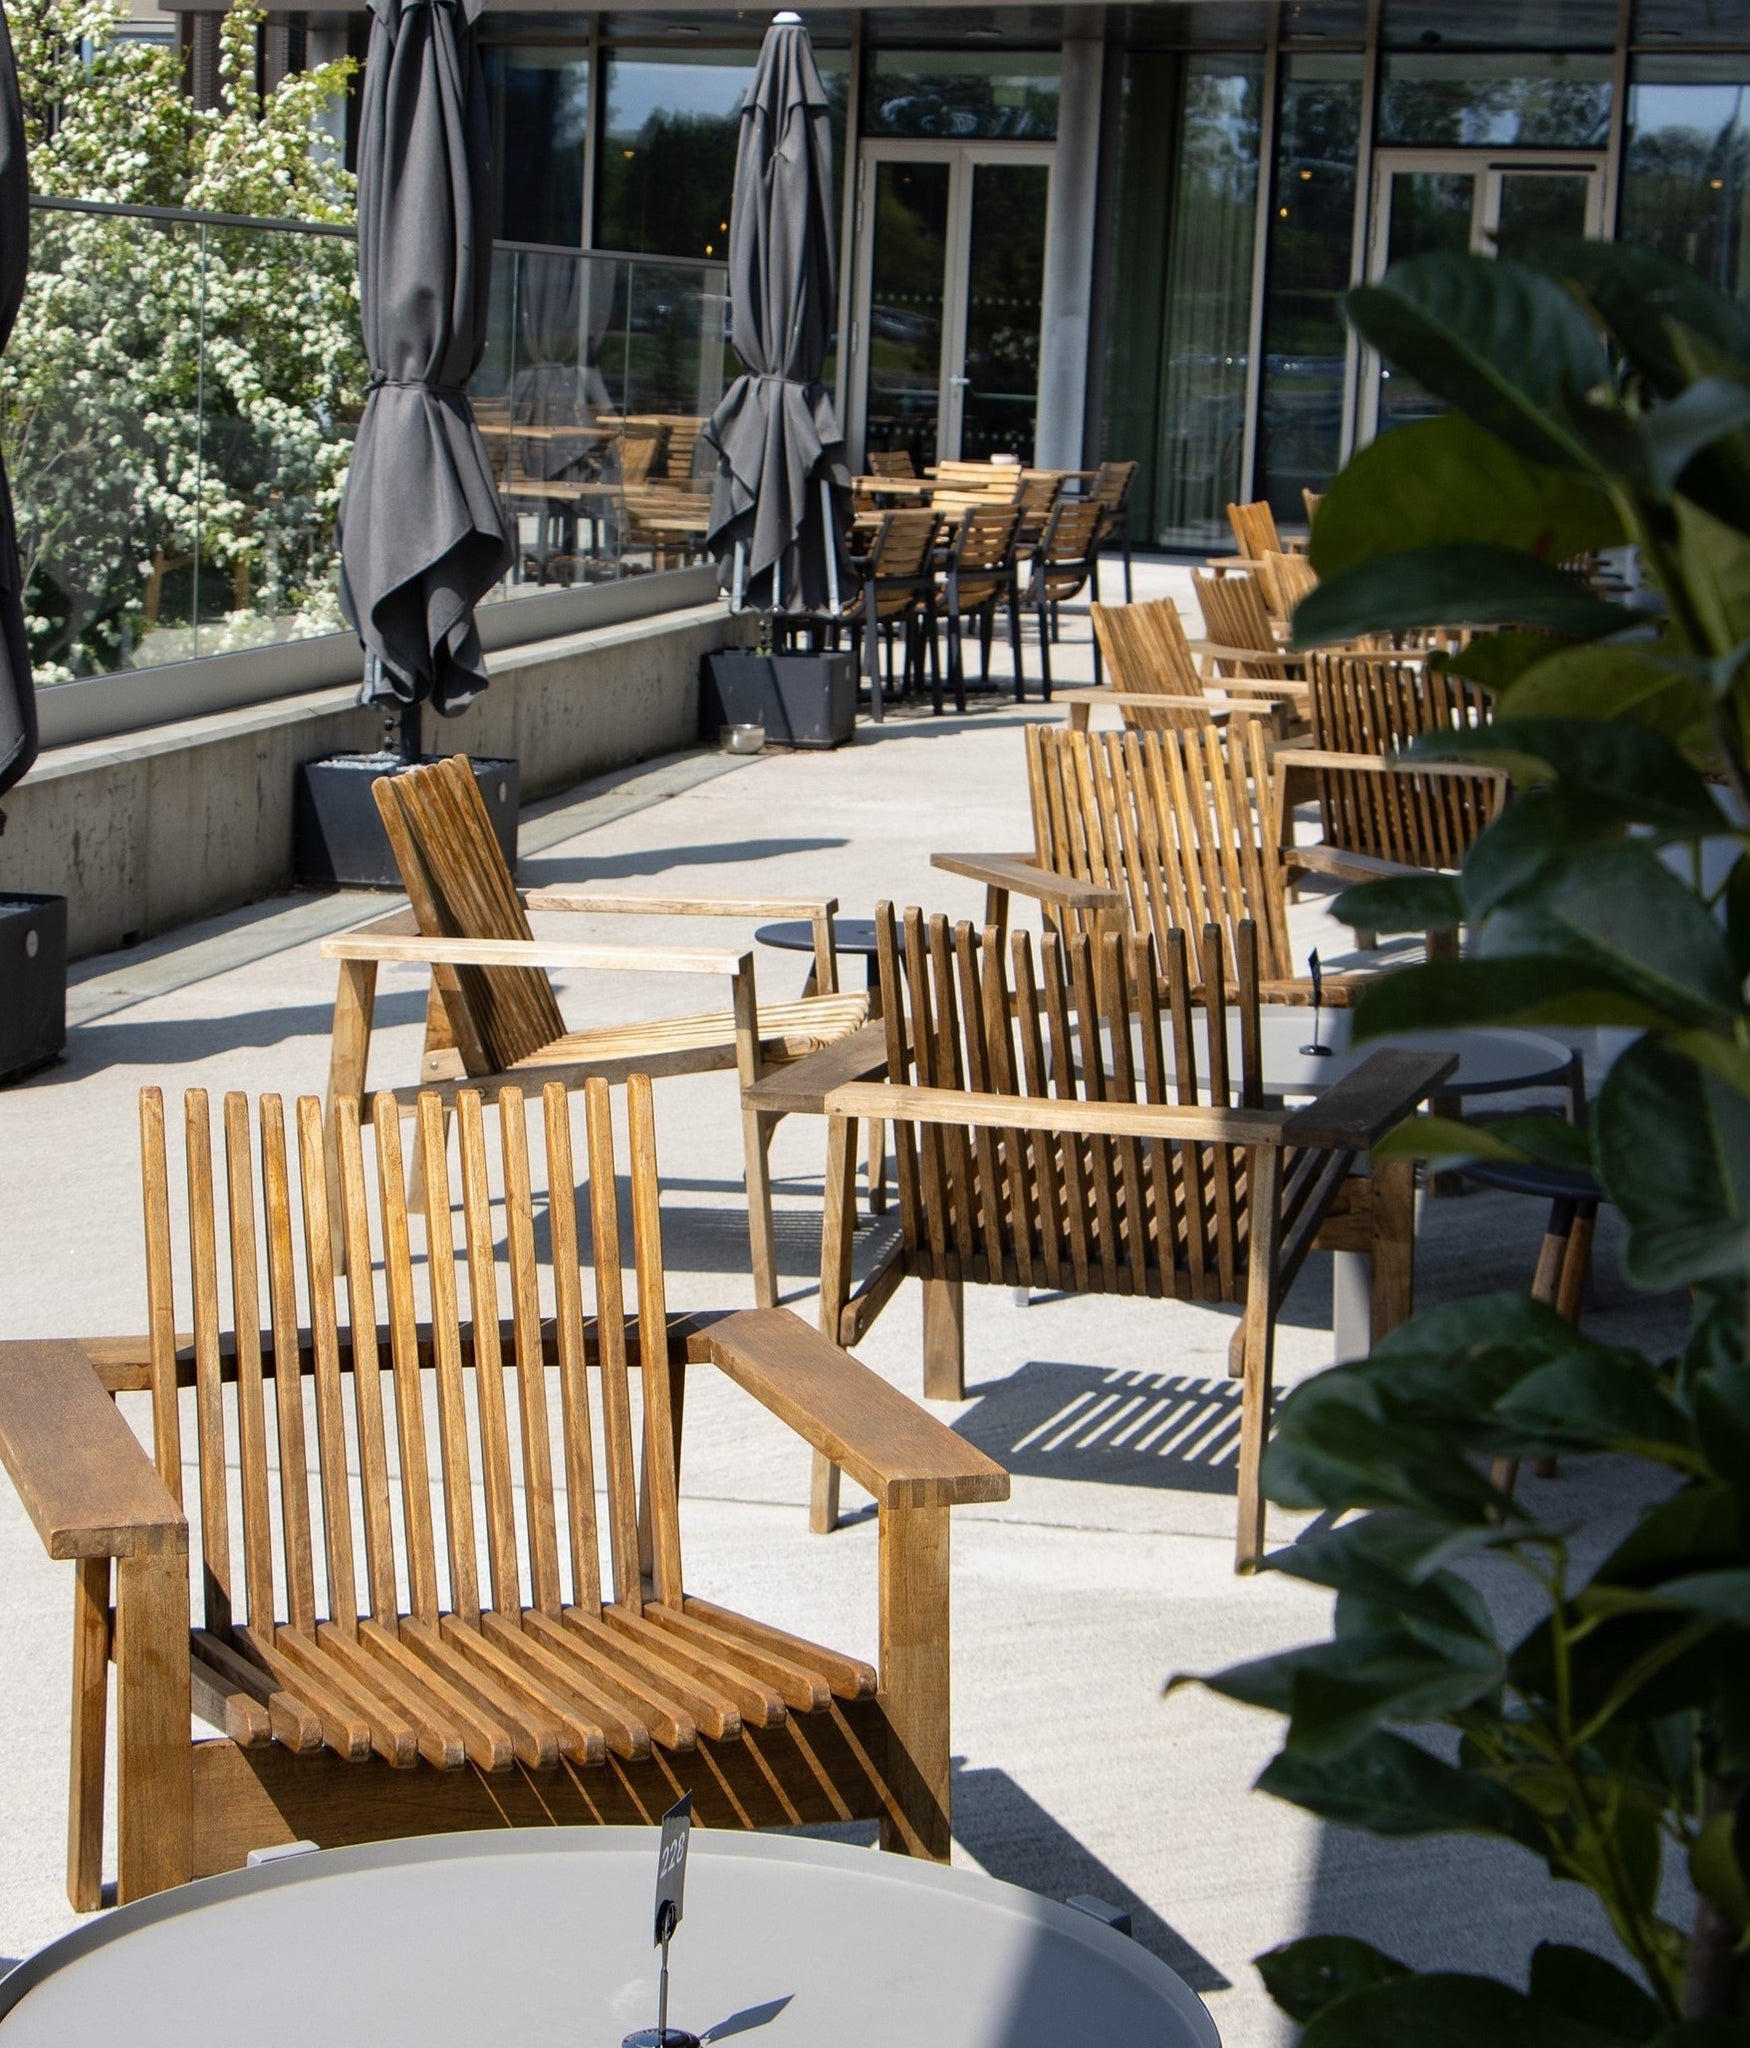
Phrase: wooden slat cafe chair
(1241, 642)
(492, 1015)
(1365, 708)
(1312, 500)
(894, 462)
(406, 1628)
(978, 575)
(1286, 579)
(898, 590)
(1056, 1124)
(1152, 675)
(1157, 832)
(1113, 483)
(1065, 561)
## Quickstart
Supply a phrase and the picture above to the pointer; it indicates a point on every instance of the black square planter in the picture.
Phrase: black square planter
(338, 839)
(33, 982)
(802, 700)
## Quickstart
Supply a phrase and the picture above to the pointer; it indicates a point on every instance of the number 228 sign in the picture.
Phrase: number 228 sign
(671, 1866)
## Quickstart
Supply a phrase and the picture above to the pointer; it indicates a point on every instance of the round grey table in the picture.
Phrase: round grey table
(542, 1940)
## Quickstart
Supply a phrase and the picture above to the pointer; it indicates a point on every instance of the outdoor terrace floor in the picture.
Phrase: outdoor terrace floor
(1108, 1569)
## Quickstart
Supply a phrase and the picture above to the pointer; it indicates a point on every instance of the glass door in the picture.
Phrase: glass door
(949, 282)
(1427, 201)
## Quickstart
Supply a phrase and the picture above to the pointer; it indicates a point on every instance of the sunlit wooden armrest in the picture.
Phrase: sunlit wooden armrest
(595, 903)
(1067, 1116)
(1353, 867)
(889, 1445)
(1276, 657)
(1373, 1098)
(86, 1481)
(1021, 873)
(418, 950)
(804, 1084)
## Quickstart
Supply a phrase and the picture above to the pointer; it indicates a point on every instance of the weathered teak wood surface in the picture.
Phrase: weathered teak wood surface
(1075, 1123)
(408, 1613)
(492, 1015)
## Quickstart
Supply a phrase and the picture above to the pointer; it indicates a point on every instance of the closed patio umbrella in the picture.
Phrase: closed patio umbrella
(776, 511)
(422, 533)
(17, 691)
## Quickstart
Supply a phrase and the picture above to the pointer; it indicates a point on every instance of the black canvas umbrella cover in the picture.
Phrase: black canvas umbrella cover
(422, 531)
(777, 508)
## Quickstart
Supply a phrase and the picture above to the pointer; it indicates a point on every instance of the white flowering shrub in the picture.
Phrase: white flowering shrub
(177, 401)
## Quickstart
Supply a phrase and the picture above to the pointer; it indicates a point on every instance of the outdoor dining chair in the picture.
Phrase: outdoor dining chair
(1113, 483)
(1052, 1128)
(898, 591)
(406, 1630)
(1062, 565)
(978, 575)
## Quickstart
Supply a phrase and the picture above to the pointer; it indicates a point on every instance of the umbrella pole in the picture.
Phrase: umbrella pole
(739, 585)
(830, 538)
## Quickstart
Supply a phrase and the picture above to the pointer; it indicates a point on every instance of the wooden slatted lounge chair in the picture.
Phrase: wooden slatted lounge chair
(1049, 1130)
(394, 1639)
(1153, 678)
(1160, 832)
(492, 1015)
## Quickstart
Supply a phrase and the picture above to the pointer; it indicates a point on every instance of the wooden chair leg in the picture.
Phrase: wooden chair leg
(876, 1132)
(90, 1729)
(756, 1139)
(944, 1340)
(914, 1680)
(1264, 1171)
(837, 1225)
(154, 1768)
(1393, 1247)
(349, 1054)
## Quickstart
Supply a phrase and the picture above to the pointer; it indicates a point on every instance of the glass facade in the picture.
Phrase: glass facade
(1495, 99)
(539, 99)
(1686, 174)
(959, 95)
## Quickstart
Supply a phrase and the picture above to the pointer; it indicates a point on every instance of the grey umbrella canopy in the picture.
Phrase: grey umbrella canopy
(422, 534)
(777, 509)
(17, 691)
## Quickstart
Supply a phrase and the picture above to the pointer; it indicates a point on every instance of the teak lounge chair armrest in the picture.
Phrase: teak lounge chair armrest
(887, 1443)
(592, 903)
(549, 953)
(1374, 1098)
(1385, 764)
(1347, 866)
(1066, 1116)
(87, 1482)
(1023, 874)
(1274, 657)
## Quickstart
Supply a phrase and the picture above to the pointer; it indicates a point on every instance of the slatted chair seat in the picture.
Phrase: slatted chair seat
(1068, 1124)
(492, 1012)
(1163, 832)
(439, 1575)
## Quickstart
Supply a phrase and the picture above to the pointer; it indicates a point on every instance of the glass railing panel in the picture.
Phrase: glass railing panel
(674, 378)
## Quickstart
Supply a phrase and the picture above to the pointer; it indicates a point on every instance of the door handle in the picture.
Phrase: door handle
(960, 383)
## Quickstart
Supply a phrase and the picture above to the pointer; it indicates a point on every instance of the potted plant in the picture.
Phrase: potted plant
(1597, 395)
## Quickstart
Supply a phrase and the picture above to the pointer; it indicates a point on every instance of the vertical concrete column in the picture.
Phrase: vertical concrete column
(1069, 246)
(328, 46)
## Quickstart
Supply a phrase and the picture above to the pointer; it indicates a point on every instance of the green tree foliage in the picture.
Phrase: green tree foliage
(176, 400)
(1595, 394)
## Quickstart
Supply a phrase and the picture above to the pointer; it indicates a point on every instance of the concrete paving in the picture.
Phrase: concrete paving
(1108, 1569)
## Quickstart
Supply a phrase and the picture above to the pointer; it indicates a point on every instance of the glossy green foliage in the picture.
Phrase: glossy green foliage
(1594, 394)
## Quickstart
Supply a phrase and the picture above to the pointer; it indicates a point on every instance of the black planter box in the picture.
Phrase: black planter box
(33, 982)
(802, 700)
(338, 839)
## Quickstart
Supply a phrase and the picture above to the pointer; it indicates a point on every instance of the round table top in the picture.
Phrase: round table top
(796, 935)
(1489, 1062)
(544, 1937)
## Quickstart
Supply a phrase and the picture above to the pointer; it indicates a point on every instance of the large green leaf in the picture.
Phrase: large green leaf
(1615, 1402)
(1673, 1148)
(1501, 343)
(1673, 435)
(1447, 995)
(1391, 1559)
(1392, 1786)
(1648, 300)
(1346, 1454)
(1496, 660)
(1441, 480)
(1503, 1140)
(1460, 583)
(1305, 1976)
(1715, 561)
(1629, 684)
(1441, 2011)
(1586, 1987)
(1636, 776)
(1403, 903)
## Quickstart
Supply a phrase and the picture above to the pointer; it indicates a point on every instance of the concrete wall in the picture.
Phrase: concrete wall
(156, 828)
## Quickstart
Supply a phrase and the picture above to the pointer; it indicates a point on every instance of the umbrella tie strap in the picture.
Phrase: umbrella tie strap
(416, 384)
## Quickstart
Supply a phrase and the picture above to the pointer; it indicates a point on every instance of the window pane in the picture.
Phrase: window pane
(1131, 410)
(1491, 101)
(1300, 423)
(1209, 297)
(1686, 182)
(1005, 276)
(1012, 97)
(905, 308)
(539, 100)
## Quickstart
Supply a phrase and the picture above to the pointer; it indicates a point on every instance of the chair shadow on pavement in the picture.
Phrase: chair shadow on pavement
(1118, 1426)
(545, 870)
(1011, 1836)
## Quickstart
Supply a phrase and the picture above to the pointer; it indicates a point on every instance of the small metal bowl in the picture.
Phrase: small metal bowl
(741, 739)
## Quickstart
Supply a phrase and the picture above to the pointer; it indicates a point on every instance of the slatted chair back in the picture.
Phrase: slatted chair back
(1254, 529)
(1038, 496)
(1236, 615)
(1068, 545)
(1089, 1020)
(351, 1512)
(901, 561)
(638, 445)
(1312, 500)
(1112, 486)
(681, 448)
(1146, 653)
(894, 462)
(1375, 704)
(1182, 822)
(1286, 580)
(459, 887)
(960, 486)
(982, 556)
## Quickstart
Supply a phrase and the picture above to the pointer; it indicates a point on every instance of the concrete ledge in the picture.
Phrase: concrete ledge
(155, 828)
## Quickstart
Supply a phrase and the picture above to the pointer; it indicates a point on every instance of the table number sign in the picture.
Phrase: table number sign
(671, 1885)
